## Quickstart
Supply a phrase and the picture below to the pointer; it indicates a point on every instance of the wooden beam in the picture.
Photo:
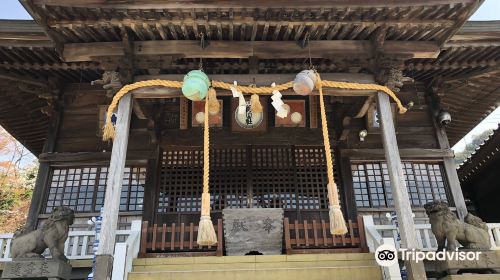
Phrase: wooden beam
(90, 157)
(401, 199)
(245, 49)
(267, 79)
(105, 251)
(413, 154)
(223, 137)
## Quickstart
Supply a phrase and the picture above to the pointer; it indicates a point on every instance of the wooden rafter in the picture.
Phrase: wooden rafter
(51, 66)
(204, 4)
(22, 79)
(133, 23)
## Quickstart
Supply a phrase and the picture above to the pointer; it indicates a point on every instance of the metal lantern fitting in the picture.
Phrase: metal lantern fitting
(444, 118)
(304, 82)
(362, 135)
(195, 85)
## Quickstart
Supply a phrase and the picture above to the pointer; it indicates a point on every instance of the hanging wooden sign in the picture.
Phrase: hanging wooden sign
(296, 116)
(248, 121)
(198, 115)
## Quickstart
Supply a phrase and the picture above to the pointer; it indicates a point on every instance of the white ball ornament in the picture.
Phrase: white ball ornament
(200, 117)
(304, 82)
(286, 107)
(296, 117)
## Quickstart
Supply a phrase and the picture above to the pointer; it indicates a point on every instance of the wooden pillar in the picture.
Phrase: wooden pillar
(42, 178)
(451, 172)
(416, 271)
(104, 260)
(150, 190)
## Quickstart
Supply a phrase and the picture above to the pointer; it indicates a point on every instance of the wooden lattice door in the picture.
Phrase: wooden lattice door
(288, 177)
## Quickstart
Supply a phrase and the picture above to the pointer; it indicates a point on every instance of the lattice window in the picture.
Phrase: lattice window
(101, 189)
(132, 194)
(266, 176)
(372, 187)
(83, 189)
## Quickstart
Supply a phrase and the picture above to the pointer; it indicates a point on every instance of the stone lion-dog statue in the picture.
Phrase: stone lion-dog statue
(447, 228)
(53, 233)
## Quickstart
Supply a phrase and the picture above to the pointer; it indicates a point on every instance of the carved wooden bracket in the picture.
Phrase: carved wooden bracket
(110, 81)
(389, 72)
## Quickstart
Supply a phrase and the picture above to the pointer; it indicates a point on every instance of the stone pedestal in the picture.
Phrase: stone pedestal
(488, 264)
(37, 269)
(253, 230)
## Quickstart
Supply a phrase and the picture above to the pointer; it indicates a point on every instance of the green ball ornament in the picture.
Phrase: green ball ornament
(195, 85)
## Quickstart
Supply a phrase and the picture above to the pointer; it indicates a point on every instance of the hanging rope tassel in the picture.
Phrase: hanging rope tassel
(255, 105)
(206, 231)
(337, 222)
(213, 103)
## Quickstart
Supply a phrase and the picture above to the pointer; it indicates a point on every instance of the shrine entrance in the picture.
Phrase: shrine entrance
(246, 176)
(289, 177)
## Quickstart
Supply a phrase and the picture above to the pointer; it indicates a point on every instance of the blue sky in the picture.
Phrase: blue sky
(488, 11)
(11, 9)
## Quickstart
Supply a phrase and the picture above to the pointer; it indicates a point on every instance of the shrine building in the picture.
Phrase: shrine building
(325, 119)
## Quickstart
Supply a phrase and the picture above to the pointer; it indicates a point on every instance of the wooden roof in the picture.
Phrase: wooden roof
(341, 32)
(486, 155)
(94, 21)
(469, 65)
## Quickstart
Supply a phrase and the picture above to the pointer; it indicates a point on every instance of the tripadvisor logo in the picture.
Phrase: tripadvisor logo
(387, 255)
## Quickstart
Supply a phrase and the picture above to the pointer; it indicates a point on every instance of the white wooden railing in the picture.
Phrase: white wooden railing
(494, 231)
(78, 246)
(126, 252)
(374, 240)
(425, 237)
(5, 242)
(377, 235)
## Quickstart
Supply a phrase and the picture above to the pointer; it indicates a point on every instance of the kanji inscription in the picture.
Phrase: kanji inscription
(254, 229)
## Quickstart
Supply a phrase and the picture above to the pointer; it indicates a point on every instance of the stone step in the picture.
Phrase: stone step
(355, 266)
(254, 259)
(309, 273)
(249, 265)
(472, 277)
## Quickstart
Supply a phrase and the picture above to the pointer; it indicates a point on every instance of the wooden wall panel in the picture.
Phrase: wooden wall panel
(80, 121)
(414, 129)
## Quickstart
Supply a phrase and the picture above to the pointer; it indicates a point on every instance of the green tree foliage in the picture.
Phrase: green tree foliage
(17, 179)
